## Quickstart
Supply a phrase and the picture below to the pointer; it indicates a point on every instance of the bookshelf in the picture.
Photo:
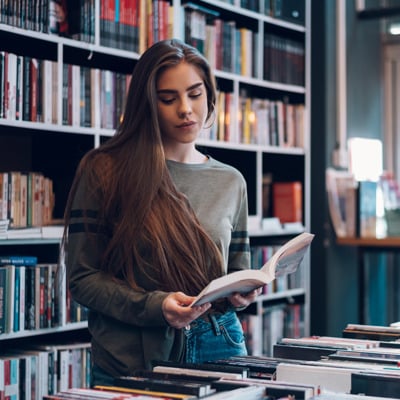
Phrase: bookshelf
(363, 246)
(264, 76)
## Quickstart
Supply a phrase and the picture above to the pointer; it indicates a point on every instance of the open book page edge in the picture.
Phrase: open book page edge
(236, 281)
(299, 244)
(239, 281)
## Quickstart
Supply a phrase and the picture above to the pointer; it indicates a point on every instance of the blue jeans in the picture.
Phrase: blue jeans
(214, 337)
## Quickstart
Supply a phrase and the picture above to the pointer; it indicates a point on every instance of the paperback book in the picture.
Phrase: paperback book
(285, 261)
(199, 389)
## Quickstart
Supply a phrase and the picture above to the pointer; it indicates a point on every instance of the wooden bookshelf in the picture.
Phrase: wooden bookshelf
(380, 243)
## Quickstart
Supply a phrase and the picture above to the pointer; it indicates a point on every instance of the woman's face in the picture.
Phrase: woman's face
(182, 103)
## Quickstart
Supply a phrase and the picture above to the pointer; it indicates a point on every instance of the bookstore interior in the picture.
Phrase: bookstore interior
(64, 71)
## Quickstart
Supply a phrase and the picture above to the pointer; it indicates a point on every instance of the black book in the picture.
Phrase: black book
(214, 382)
(363, 359)
(374, 332)
(173, 377)
(273, 389)
(257, 369)
(375, 384)
(297, 352)
(199, 389)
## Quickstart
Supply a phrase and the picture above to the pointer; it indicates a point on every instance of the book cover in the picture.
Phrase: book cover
(3, 299)
(18, 260)
(328, 378)
(285, 261)
(273, 389)
(375, 384)
(287, 201)
(366, 209)
(301, 352)
(151, 393)
(199, 389)
(335, 342)
(200, 369)
(257, 369)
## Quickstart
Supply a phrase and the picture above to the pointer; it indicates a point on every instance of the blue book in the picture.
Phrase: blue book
(18, 260)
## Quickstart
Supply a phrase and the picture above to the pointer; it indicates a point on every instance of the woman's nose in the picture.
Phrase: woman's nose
(185, 107)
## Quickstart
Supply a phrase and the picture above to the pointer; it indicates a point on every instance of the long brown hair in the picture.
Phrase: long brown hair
(154, 230)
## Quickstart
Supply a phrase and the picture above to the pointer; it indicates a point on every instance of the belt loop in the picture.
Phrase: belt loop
(214, 324)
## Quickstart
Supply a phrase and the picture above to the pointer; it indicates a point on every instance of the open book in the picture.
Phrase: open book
(285, 261)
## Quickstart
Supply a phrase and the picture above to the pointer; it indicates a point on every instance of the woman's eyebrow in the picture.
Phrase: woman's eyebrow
(195, 86)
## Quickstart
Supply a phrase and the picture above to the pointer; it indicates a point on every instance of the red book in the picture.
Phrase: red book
(34, 89)
(288, 201)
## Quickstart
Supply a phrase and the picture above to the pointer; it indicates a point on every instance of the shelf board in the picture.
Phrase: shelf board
(390, 241)
(37, 332)
(285, 294)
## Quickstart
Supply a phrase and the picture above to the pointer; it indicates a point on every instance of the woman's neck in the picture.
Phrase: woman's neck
(185, 155)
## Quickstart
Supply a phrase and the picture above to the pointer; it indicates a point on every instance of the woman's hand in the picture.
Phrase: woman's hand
(240, 300)
(177, 312)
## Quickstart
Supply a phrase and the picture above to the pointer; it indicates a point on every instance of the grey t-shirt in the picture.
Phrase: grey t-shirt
(218, 195)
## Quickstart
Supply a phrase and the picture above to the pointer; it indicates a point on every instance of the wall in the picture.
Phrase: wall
(334, 283)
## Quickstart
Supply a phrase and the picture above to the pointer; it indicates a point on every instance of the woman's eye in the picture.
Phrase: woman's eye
(196, 94)
(167, 101)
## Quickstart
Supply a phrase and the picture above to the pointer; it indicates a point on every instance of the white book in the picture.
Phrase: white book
(12, 86)
(286, 260)
(255, 392)
(328, 378)
(337, 342)
(47, 90)
(52, 231)
(308, 390)
(196, 372)
(22, 279)
(27, 378)
(95, 97)
(76, 95)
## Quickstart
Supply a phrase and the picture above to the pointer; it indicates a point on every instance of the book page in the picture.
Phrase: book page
(286, 260)
(288, 257)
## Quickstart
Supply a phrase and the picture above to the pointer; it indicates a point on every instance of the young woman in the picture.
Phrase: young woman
(150, 221)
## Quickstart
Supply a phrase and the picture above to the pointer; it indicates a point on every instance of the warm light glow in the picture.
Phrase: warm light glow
(394, 29)
(365, 158)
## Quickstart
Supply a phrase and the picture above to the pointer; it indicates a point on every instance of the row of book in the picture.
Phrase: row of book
(231, 48)
(40, 15)
(38, 370)
(226, 46)
(278, 320)
(284, 60)
(33, 90)
(96, 98)
(67, 18)
(257, 121)
(93, 97)
(312, 367)
(26, 199)
(260, 255)
(363, 208)
(29, 87)
(34, 296)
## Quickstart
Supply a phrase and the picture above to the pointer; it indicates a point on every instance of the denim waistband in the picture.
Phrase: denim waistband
(215, 319)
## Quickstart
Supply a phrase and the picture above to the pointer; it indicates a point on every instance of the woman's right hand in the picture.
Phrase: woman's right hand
(177, 312)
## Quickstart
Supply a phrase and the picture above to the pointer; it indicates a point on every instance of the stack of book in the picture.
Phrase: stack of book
(312, 367)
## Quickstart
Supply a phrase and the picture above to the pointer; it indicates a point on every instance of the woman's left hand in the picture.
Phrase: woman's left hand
(241, 300)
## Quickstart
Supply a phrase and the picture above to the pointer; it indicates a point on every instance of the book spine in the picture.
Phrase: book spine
(18, 260)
